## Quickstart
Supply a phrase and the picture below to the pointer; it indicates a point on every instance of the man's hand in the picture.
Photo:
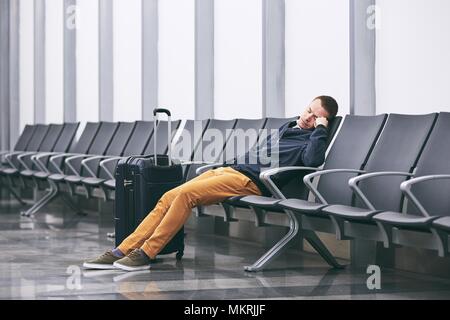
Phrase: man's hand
(321, 121)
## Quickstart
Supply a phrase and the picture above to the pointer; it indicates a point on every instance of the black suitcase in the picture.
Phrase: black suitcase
(140, 183)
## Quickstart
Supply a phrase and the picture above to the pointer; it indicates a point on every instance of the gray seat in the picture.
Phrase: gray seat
(115, 139)
(22, 141)
(33, 146)
(431, 195)
(116, 149)
(20, 146)
(397, 150)
(135, 149)
(56, 167)
(64, 143)
(98, 147)
(136, 145)
(442, 223)
(56, 143)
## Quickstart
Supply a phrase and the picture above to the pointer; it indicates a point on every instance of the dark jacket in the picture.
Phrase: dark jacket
(295, 147)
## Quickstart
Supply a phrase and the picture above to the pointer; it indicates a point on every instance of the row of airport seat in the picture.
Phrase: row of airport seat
(47, 156)
(373, 164)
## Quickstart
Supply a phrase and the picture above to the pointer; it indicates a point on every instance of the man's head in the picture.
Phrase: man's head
(320, 108)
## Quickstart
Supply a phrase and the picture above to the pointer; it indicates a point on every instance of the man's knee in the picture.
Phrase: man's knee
(188, 197)
(170, 195)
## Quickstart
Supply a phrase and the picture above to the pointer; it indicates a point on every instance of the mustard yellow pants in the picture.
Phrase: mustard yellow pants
(175, 206)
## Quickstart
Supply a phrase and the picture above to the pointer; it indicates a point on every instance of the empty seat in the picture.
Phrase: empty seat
(391, 162)
(108, 180)
(428, 193)
(38, 137)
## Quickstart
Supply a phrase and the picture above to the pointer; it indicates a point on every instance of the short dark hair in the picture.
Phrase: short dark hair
(330, 105)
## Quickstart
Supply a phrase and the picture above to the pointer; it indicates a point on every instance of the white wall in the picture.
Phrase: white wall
(176, 54)
(127, 57)
(26, 62)
(317, 53)
(87, 38)
(54, 61)
(412, 56)
(237, 59)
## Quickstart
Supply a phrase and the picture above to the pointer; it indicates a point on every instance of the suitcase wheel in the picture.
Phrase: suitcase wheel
(179, 255)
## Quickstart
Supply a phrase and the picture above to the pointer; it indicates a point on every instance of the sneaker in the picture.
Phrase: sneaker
(104, 262)
(136, 260)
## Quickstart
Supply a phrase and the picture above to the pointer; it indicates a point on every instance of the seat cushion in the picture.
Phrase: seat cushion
(261, 202)
(73, 179)
(442, 223)
(236, 202)
(57, 177)
(405, 220)
(110, 184)
(350, 213)
(302, 206)
(27, 173)
(10, 171)
(94, 182)
(41, 175)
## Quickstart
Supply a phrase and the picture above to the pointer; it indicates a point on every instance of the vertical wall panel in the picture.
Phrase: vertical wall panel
(412, 56)
(14, 68)
(273, 58)
(26, 76)
(177, 57)
(39, 62)
(106, 61)
(127, 57)
(317, 53)
(54, 54)
(70, 60)
(204, 59)
(4, 75)
(237, 59)
(87, 38)
(149, 57)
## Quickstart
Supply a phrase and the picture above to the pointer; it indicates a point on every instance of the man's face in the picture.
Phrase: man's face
(313, 111)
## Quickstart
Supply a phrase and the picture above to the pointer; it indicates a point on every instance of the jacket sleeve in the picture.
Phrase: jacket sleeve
(313, 154)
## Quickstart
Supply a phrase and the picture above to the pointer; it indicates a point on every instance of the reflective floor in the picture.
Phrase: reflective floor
(42, 257)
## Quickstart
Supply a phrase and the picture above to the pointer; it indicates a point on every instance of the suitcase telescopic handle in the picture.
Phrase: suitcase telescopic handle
(169, 128)
(161, 110)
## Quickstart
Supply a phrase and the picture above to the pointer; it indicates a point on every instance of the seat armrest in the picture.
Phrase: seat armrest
(85, 162)
(266, 177)
(353, 183)
(21, 157)
(70, 166)
(308, 180)
(207, 167)
(106, 169)
(406, 189)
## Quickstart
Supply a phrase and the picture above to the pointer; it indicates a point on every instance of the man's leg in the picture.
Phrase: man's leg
(153, 219)
(142, 232)
(224, 183)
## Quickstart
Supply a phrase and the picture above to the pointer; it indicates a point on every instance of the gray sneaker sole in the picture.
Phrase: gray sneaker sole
(88, 265)
(128, 268)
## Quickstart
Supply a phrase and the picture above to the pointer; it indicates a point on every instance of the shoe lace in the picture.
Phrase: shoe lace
(107, 253)
(136, 253)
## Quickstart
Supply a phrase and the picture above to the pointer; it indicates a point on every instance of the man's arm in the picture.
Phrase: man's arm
(314, 153)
